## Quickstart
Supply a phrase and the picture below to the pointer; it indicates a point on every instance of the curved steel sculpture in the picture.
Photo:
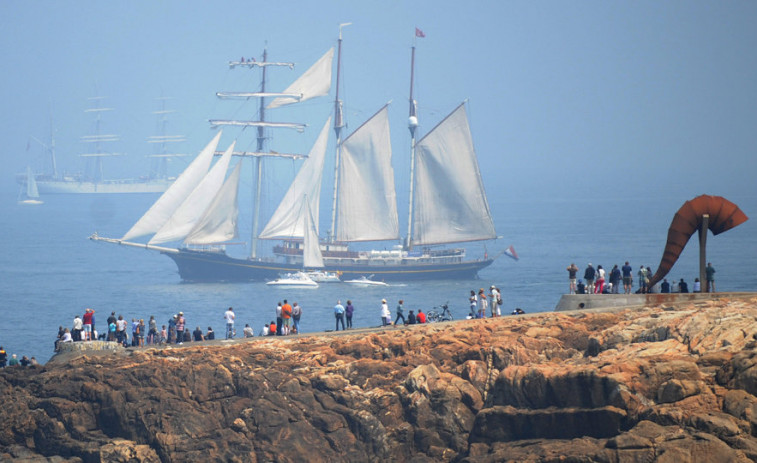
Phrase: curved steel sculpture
(724, 215)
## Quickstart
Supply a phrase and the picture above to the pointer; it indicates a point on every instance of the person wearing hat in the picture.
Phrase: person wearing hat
(494, 296)
(386, 316)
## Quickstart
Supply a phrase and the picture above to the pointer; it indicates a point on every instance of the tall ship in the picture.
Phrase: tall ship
(93, 180)
(447, 201)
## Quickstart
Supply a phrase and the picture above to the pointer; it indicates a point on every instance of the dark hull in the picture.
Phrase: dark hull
(211, 266)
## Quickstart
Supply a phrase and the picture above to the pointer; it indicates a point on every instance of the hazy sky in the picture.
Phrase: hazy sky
(584, 98)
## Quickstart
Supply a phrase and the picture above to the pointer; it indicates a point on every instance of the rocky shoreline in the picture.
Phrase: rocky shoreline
(655, 383)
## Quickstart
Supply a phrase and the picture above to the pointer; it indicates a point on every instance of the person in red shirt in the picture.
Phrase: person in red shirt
(87, 321)
(421, 317)
(286, 315)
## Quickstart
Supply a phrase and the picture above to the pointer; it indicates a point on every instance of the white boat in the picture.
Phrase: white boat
(365, 281)
(29, 194)
(297, 279)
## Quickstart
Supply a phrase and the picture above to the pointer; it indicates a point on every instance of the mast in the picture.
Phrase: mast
(161, 154)
(52, 148)
(338, 124)
(98, 139)
(412, 124)
(258, 168)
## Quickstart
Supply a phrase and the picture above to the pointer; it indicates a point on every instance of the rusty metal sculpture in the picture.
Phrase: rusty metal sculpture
(723, 215)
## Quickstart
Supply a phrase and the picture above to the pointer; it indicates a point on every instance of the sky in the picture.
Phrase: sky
(566, 99)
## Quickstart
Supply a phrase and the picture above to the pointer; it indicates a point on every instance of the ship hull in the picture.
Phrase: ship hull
(50, 186)
(198, 266)
(64, 187)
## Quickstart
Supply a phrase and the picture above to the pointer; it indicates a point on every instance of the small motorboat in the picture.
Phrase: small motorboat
(366, 281)
(298, 279)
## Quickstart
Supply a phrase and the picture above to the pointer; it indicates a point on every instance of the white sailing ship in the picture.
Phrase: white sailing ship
(93, 180)
(447, 203)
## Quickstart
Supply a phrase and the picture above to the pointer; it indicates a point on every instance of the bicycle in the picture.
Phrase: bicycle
(440, 314)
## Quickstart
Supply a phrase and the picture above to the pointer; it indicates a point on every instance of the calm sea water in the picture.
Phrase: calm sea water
(50, 271)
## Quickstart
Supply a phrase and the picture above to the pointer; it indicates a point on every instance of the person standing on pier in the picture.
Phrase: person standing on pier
(386, 316)
(589, 274)
(348, 311)
(180, 323)
(400, 314)
(339, 315)
(627, 271)
(710, 277)
(615, 279)
(296, 314)
(230, 317)
(572, 272)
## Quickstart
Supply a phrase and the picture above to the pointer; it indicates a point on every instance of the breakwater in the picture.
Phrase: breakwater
(647, 383)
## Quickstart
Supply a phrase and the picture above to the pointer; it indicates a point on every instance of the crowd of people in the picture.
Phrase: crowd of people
(14, 360)
(597, 281)
(175, 331)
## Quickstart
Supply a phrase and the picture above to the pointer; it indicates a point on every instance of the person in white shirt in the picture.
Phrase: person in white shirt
(229, 316)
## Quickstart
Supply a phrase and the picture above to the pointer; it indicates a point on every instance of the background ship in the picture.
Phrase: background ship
(93, 180)
(448, 202)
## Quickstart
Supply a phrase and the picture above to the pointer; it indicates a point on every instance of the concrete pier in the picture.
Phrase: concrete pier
(597, 301)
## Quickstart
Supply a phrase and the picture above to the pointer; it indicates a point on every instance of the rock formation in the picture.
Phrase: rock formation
(653, 384)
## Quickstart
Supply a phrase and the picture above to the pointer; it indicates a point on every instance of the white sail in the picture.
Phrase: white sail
(286, 221)
(449, 199)
(312, 257)
(367, 203)
(219, 223)
(169, 201)
(315, 82)
(194, 206)
(31, 184)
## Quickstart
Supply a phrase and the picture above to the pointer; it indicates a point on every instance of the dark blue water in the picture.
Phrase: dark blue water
(50, 271)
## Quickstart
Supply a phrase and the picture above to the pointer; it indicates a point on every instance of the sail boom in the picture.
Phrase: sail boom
(276, 125)
(246, 95)
(259, 64)
(270, 154)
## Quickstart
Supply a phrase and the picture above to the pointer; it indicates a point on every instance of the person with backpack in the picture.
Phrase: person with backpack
(296, 314)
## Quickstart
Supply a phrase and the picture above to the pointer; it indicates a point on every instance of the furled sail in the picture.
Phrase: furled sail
(449, 199)
(166, 205)
(219, 223)
(194, 206)
(286, 221)
(312, 257)
(367, 203)
(315, 82)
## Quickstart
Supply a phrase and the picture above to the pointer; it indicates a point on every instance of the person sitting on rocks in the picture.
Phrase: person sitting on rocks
(411, 320)
(421, 317)
(272, 329)
(198, 334)
(211, 334)
(247, 331)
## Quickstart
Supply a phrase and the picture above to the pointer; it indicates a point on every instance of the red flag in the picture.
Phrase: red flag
(510, 252)
(419, 33)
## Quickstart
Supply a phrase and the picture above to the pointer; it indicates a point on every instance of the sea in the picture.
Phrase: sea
(50, 271)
